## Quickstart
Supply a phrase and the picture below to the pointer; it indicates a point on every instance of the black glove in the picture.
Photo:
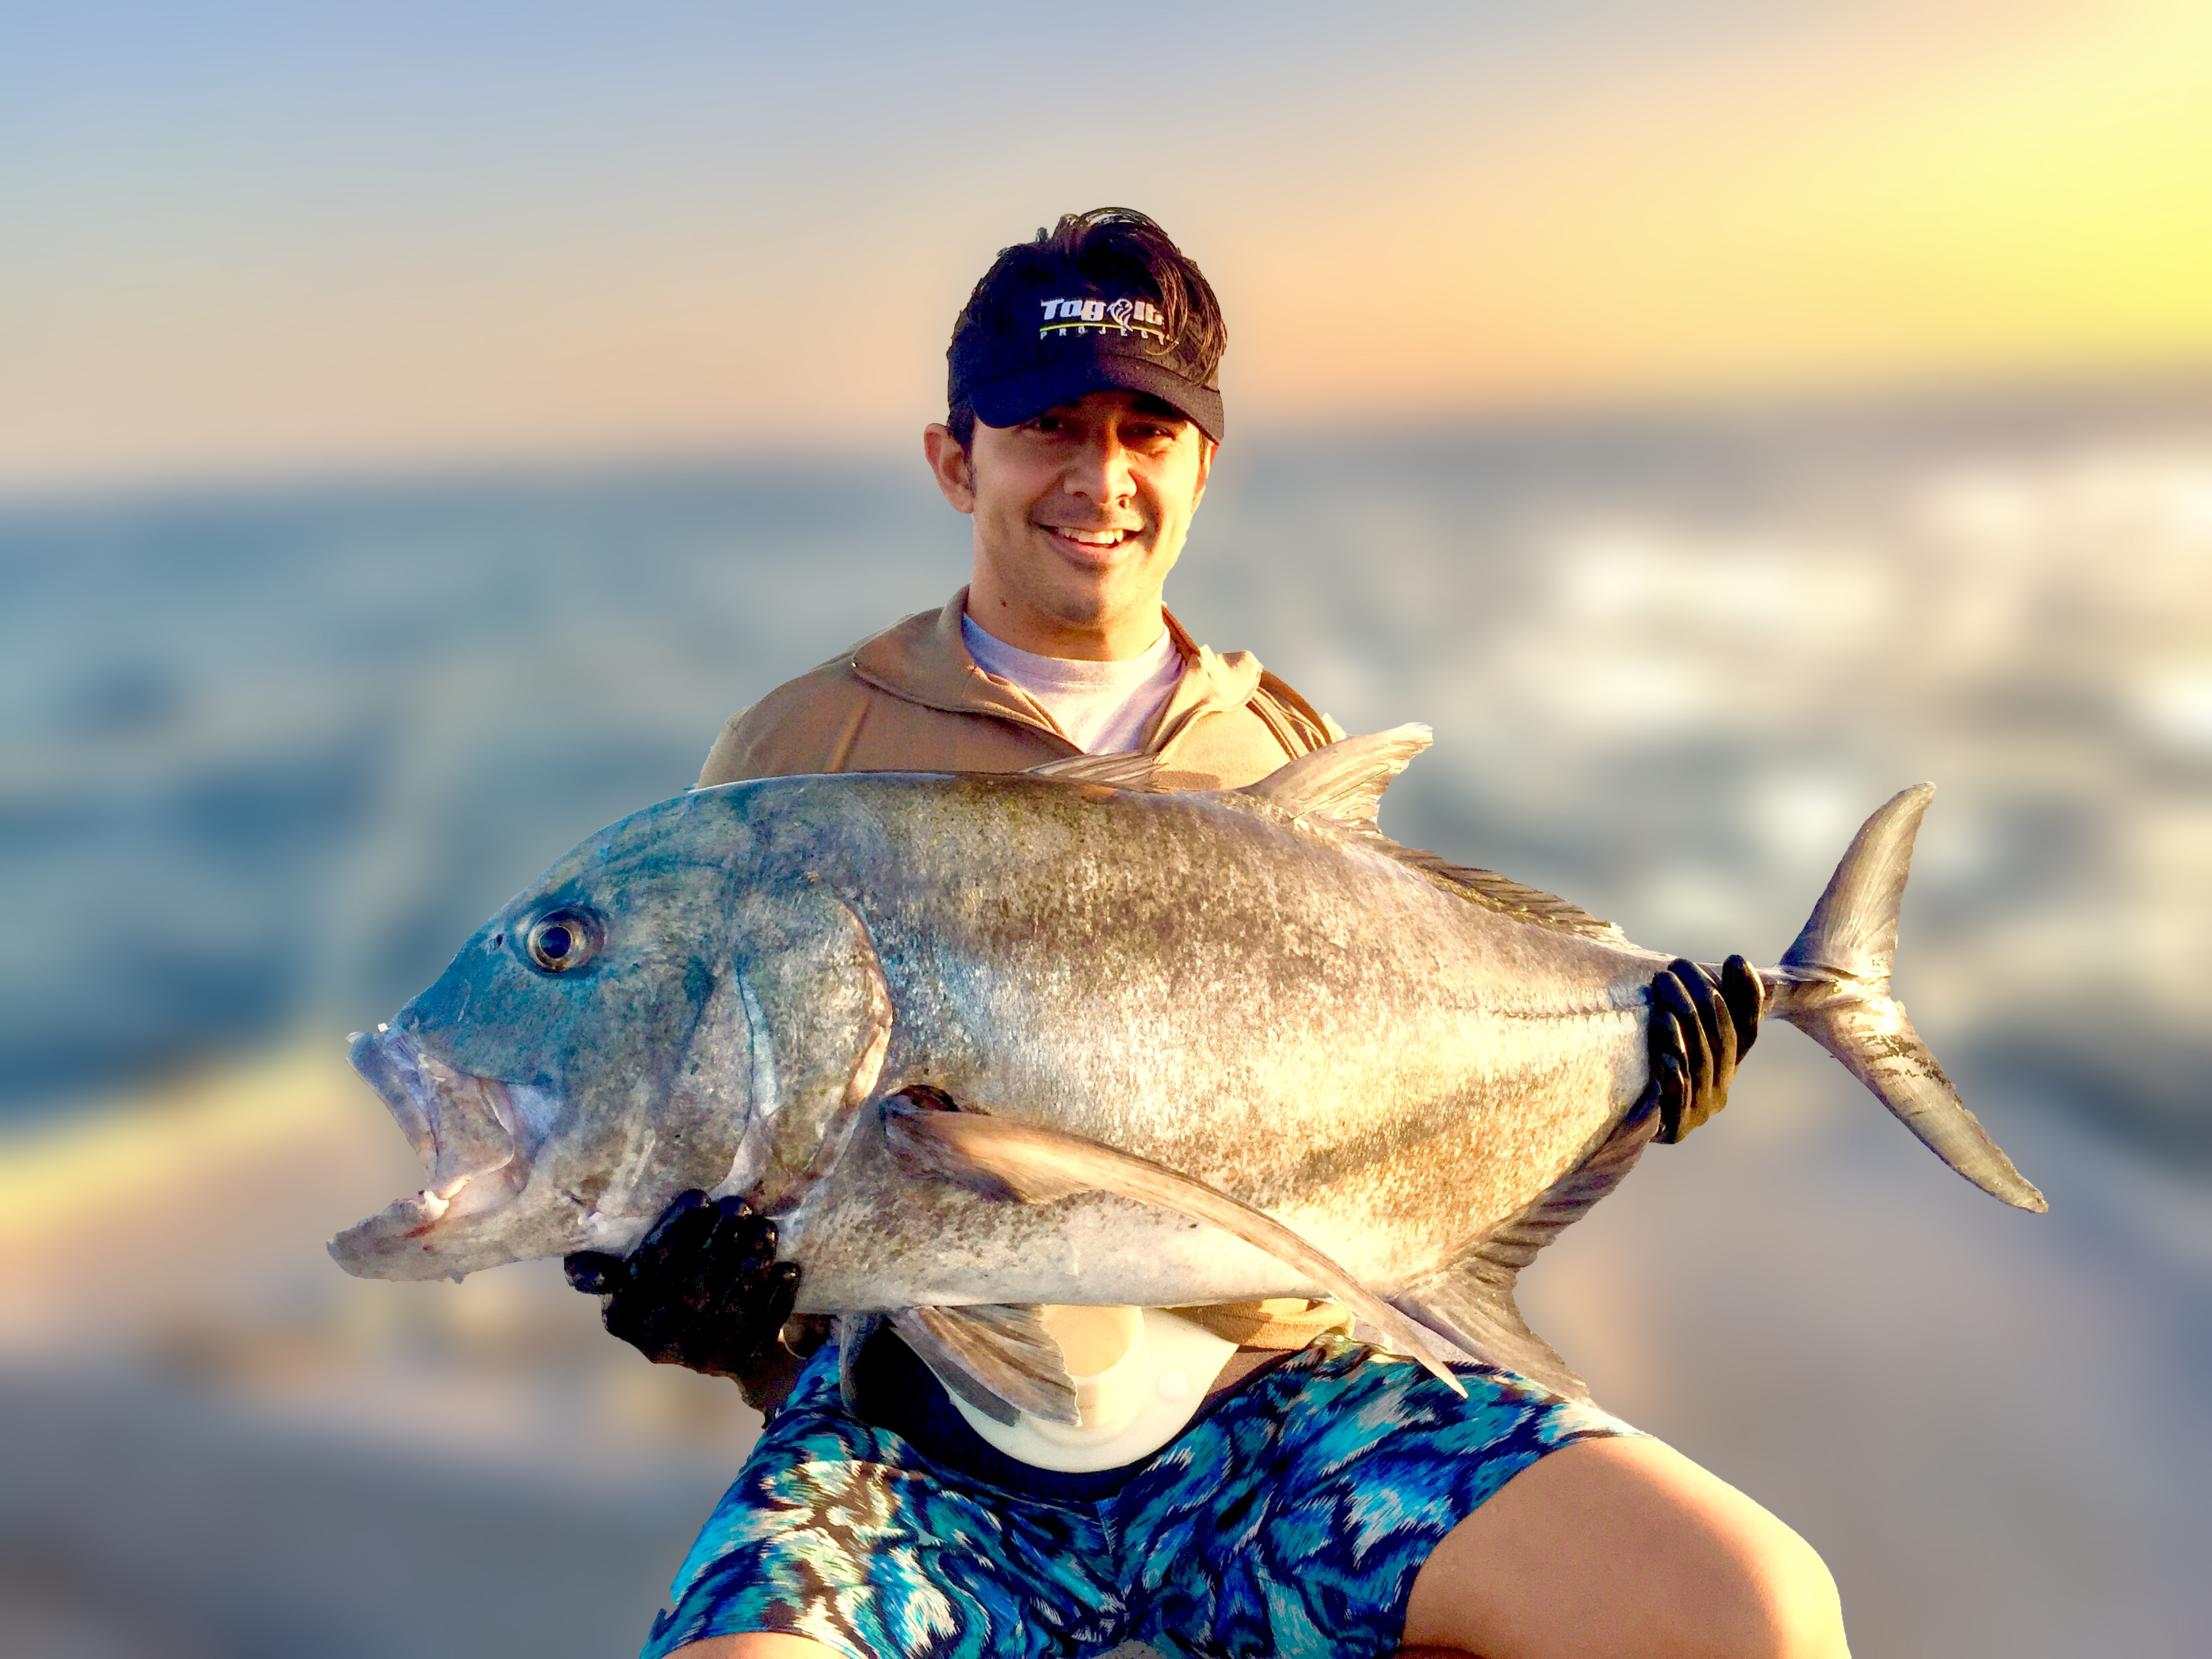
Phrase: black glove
(703, 1291)
(1701, 1029)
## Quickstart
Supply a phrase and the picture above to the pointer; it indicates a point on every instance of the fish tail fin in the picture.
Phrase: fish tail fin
(1834, 985)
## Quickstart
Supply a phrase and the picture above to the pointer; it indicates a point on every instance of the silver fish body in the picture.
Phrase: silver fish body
(1420, 1072)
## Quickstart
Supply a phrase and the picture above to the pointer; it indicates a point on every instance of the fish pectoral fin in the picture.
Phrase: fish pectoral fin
(1470, 1302)
(1034, 1165)
(975, 1152)
(997, 1357)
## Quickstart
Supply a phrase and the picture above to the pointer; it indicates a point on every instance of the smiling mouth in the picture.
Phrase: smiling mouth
(1100, 540)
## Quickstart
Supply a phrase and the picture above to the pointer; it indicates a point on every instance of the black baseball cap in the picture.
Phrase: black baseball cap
(1052, 333)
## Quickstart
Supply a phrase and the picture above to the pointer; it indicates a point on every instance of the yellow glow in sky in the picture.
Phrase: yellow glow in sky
(2043, 207)
(1876, 196)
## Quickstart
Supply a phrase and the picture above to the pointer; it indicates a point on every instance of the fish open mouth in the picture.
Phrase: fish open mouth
(475, 1136)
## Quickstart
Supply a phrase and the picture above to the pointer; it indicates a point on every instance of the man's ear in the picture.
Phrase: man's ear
(1205, 471)
(950, 466)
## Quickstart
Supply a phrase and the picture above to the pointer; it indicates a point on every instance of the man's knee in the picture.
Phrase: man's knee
(1625, 1548)
(755, 1647)
(1778, 1599)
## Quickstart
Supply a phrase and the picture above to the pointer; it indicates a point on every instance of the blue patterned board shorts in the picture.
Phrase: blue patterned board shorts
(1289, 1519)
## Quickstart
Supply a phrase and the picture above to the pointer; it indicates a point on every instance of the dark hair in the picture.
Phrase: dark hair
(1106, 245)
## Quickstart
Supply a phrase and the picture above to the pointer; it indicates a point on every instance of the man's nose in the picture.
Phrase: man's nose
(1102, 473)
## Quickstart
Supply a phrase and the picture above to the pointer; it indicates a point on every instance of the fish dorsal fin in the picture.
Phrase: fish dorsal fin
(997, 1357)
(1345, 780)
(1137, 773)
(1493, 891)
(1343, 783)
(1033, 1165)
(1470, 1302)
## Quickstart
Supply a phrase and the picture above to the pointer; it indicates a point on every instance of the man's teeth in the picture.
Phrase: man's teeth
(1096, 538)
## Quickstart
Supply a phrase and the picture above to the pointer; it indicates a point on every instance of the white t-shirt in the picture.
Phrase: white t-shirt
(1103, 706)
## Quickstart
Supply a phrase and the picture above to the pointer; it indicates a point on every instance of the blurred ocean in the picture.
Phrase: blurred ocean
(268, 756)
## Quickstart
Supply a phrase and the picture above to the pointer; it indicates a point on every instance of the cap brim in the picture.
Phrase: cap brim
(1013, 399)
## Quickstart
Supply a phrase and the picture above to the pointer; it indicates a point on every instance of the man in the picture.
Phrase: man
(1322, 1497)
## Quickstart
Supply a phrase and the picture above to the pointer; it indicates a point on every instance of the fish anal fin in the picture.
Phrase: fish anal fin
(997, 1357)
(1470, 1302)
(1036, 1165)
(1342, 781)
(1478, 1315)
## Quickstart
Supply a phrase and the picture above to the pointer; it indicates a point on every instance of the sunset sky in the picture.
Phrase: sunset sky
(245, 240)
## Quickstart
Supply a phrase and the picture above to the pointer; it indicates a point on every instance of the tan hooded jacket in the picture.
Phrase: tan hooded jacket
(911, 699)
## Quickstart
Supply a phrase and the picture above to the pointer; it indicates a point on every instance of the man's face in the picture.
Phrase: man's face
(1079, 515)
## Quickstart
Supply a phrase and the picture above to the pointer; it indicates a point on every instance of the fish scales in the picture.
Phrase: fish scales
(1241, 1001)
(1200, 1047)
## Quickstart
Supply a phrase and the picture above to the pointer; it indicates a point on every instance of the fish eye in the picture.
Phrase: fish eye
(562, 940)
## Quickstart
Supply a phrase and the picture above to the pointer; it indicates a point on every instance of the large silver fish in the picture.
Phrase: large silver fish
(983, 1043)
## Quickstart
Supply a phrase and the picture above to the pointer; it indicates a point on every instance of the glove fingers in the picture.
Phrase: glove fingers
(1746, 996)
(731, 1235)
(643, 1325)
(746, 1277)
(1721, 1030)
(779, 1296)
(1672, 1084)
(703, 1288)
(1670, 995)
(1673, 990)
(1712, 1014)
(1669, 1083)
(679, 1231)
(694, 1278)
(592, 1272)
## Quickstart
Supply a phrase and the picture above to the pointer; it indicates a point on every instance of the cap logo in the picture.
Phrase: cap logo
(1129, 315)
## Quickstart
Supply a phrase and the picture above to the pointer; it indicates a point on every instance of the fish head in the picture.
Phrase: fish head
(578, 1064)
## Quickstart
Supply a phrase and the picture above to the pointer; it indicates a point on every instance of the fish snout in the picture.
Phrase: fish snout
(477, 1136)
(385, 1060)
(461, 1125)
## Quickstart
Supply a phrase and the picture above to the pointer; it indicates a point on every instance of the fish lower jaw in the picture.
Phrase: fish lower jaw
(409, 1237)
(433, 1203)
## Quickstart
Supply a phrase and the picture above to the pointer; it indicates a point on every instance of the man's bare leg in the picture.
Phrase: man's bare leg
(1606, 1549)
(1623, 1547)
